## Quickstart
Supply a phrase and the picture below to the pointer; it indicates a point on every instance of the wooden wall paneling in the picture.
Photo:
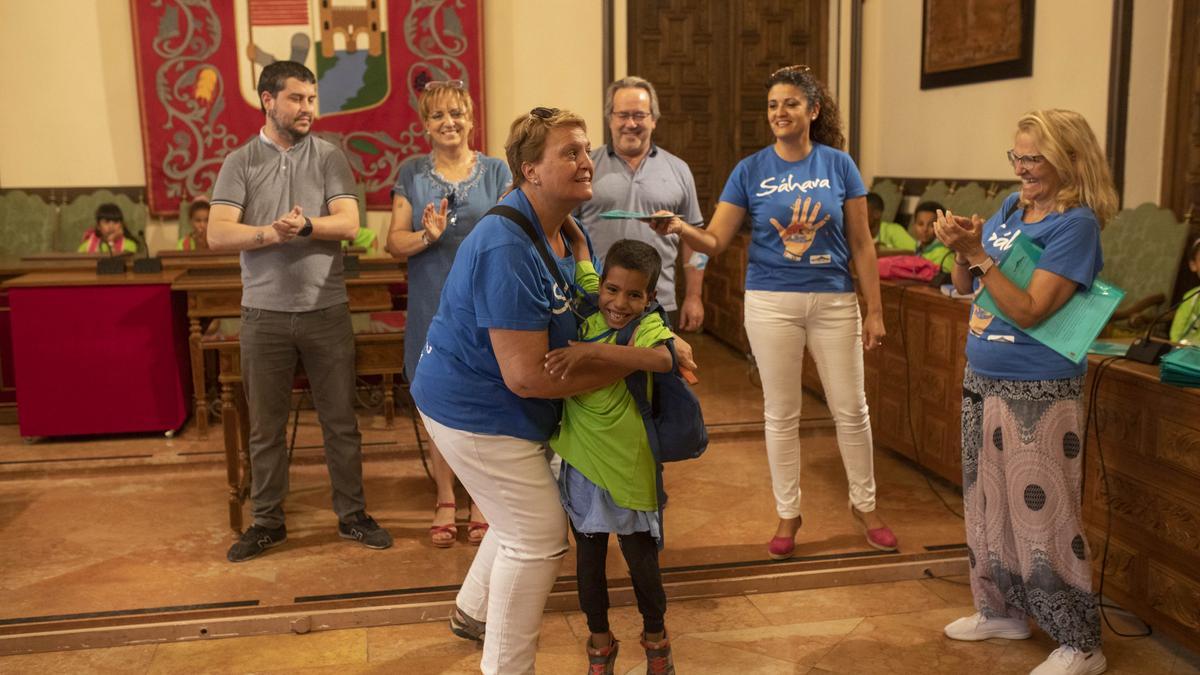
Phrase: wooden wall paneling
(709, 60)
(1181, 143)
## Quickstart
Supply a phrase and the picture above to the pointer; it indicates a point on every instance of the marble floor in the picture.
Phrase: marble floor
(134, 524)
(889, 629)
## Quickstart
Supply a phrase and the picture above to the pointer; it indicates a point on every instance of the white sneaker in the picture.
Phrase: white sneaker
(1070, 661)
(980, 627)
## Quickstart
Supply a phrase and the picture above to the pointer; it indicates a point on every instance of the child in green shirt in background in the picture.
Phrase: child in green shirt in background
(1186, 326)
(608, 478)
(890, 238)
(928, 246)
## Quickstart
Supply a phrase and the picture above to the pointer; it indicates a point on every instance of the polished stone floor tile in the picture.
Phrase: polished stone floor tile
(263, 653)
(822, 604)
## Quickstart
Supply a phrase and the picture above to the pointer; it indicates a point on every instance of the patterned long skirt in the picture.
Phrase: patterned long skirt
(1022, 473)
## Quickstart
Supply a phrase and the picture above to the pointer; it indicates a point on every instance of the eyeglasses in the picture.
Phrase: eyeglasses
(444, 84)
(638, 116)
(787, 70)
(543, 113)
(1026, 161)
(451, 214)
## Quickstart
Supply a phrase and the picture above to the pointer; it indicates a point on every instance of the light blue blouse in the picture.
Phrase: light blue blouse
(470, 198)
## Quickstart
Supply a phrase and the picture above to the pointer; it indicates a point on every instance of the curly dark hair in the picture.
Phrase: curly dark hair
(827, 128)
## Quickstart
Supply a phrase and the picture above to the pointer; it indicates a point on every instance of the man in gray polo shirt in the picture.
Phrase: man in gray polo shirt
(633, 174)
(287, 200)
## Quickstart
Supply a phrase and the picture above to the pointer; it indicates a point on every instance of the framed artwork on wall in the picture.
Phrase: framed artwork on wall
(979, 41)
(198, 63)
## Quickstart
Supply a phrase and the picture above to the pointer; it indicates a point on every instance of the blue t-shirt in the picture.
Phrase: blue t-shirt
(498, 280)
(786, 258)
(1070, 242)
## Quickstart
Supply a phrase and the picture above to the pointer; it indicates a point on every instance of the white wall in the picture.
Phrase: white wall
(1145, 132)
(70, 114)
(963, 131)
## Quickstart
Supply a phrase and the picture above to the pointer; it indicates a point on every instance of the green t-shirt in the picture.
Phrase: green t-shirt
(893, 235)
(937, 253)
(1186, 325)
(602, 434)
(364, 238)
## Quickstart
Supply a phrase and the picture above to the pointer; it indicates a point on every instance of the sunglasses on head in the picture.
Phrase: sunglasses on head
(789, 70)
(543, 113)
(444, 84)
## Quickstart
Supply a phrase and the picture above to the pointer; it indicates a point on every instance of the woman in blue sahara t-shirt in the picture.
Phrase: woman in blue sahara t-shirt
(808, 214)
(1022, 421)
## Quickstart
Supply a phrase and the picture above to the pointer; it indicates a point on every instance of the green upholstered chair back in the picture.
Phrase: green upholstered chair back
(892, 195)
(79, 216)
(1142, 251)
(27, 224)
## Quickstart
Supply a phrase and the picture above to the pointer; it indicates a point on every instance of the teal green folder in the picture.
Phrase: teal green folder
(1071, 330)
(631, 215)
(1181, 367)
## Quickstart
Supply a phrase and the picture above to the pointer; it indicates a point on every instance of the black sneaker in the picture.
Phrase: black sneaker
(363, 529)
(254, 541)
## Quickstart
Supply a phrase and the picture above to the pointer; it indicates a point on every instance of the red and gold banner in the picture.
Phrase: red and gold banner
(198, 63)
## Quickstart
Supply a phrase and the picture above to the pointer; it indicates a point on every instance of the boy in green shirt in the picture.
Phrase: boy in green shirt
(608, 478)
(928, 246)
(890, 238)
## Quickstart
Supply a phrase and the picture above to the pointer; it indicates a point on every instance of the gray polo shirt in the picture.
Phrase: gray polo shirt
(265, 181)
(662, 181)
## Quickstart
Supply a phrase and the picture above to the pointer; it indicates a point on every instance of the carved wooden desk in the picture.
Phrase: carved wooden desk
(374, 354)
(216, 292)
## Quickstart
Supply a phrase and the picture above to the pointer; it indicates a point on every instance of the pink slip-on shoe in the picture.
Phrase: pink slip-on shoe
(782, 548)
(881, 538)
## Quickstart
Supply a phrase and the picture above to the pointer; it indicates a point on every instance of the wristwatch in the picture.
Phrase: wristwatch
(307, 229)
(982, 268)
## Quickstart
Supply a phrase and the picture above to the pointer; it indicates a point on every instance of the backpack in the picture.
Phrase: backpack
(672, 416)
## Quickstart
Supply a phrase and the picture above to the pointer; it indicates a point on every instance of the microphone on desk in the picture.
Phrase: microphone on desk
(113, 264)
(146, 264)
(1150, 352)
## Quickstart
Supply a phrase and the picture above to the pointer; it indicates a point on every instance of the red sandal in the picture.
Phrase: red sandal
(450, 529)
(476, 529)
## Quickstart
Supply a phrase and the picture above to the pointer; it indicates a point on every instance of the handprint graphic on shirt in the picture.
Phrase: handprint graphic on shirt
(798, 236)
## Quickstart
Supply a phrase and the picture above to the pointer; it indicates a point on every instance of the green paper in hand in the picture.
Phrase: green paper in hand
(634, 215)
(1071, 330)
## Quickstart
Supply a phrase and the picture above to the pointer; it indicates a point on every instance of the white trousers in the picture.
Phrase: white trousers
(518, 561)
(780, 325)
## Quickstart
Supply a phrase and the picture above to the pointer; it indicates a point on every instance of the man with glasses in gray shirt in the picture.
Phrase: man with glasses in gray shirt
(287, 200)
(633, 174)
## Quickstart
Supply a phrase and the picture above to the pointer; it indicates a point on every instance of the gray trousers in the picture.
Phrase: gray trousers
(271, 343)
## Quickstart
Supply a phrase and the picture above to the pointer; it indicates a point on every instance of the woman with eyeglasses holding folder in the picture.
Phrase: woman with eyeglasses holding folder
(806, 206)
(436, 202)
(1022, 408)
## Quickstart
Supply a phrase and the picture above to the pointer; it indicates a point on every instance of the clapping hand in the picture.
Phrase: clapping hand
(433, 220)
(289, 224)
(960, 234)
